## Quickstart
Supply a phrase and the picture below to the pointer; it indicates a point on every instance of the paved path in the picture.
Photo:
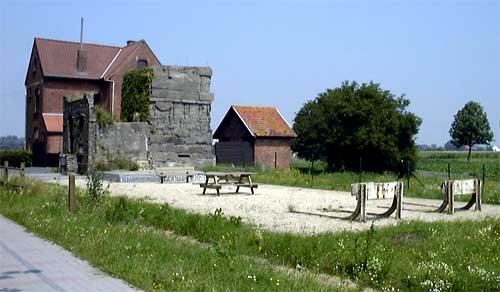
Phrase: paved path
(29, 263)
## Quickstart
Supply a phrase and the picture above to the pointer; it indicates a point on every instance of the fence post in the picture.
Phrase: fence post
(484, 178)
(6, 172)
(275, 160)
(360, 169)
(71, 193)
(449, 171)
(311, 171)
(408, 173)
(21, 177)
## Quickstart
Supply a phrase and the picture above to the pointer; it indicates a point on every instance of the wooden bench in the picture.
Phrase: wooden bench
(238, 179)
(374, 191)
(452, 188)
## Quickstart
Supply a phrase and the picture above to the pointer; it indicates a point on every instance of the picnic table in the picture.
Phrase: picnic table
(219, 179)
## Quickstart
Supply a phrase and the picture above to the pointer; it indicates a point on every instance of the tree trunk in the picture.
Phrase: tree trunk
(468, 156)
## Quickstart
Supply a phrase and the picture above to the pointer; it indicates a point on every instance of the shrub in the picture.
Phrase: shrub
(95, 190)
(15, 157)
(103, 116)
(135, 95)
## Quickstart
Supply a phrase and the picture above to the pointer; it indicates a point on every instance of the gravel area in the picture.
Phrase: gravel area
(314, 211)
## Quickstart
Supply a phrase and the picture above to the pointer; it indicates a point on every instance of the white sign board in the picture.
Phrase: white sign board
(377, 190)
(462, 187)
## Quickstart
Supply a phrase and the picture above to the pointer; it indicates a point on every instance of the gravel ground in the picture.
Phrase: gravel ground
(315, 211)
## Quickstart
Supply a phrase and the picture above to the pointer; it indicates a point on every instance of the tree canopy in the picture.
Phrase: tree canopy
(355, 121)
(471, 127)
(135, 95)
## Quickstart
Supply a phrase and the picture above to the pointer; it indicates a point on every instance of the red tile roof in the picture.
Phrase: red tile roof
(264, 121)
(53, 122)
(58, 58)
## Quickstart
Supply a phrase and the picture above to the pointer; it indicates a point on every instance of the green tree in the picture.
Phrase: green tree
(471, 127)
(354, 121)
(135, 94)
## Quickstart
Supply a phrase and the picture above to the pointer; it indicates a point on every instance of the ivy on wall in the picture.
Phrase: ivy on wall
(135, 95)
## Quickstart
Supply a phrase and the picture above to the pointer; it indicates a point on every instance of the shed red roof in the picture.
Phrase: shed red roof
(263, 121)
(53, 122)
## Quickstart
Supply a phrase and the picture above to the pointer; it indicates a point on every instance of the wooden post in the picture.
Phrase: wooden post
(478, 194)
(449, 171)
(71, 193)
(363, 202)
(399, 199)
(22, 170)
(275, 160)
(408, 173)
(484, 179)
(451, 198)
(360, 170)
(6, 172)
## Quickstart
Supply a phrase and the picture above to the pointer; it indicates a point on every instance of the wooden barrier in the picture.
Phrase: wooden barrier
(22, 175)
(452, 188)
(374, 191)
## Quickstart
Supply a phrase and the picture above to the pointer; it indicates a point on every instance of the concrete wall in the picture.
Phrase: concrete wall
(177, 133)
(127, 140)
(180, 133)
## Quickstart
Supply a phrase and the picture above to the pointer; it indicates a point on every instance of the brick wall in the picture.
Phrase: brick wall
(265, 150)
(54, 91)
(54, 143)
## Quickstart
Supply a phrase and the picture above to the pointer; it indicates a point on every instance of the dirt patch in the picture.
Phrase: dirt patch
(289, 209)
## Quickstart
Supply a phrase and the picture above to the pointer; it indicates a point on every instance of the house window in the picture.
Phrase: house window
(35, 136)
(37, 99)
(34, 66)
(142, 64)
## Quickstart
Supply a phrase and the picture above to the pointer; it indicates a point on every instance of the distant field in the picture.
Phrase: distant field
(438, 161)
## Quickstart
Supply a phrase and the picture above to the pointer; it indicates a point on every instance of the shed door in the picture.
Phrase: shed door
(238, 153)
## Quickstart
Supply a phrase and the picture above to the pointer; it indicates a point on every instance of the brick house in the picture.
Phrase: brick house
(251, 135)
(60, 68)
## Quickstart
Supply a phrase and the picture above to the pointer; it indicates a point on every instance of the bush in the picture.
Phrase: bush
(135, 95)
(95, 190)
(15, 157)
(353, 122)
(103, 116)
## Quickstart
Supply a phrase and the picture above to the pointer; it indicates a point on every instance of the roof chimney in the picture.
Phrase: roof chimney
(129, 42)
(81, 61)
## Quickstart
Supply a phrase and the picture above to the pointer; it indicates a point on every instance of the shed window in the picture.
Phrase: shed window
(142, 64)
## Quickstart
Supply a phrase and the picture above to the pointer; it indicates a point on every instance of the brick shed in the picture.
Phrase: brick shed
(252, 135)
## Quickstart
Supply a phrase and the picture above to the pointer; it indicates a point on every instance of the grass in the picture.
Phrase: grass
(126, 238)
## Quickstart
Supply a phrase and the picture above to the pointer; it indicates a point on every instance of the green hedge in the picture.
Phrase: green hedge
(15, 157)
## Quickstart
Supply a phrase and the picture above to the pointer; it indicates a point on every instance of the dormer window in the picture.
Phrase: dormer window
(142, 64)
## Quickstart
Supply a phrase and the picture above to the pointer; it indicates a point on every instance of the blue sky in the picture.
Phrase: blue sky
(441, 54)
